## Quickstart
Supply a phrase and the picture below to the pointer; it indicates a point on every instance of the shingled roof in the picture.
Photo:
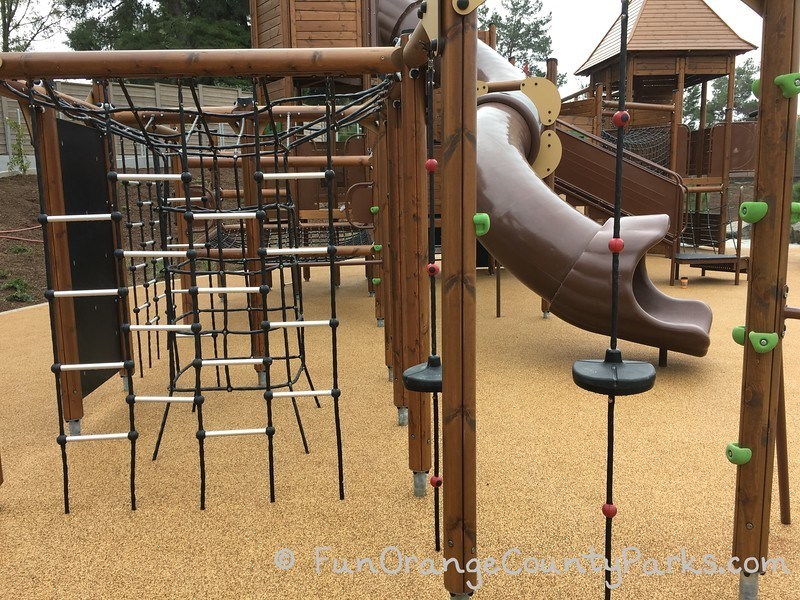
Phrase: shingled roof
(668, 25)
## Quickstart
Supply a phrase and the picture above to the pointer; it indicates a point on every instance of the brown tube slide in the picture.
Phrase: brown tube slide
(557, 252)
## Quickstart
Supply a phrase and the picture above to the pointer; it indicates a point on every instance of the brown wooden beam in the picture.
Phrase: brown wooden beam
(276, 62)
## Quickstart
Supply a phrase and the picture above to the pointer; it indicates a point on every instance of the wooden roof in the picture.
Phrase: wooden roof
(668, 26)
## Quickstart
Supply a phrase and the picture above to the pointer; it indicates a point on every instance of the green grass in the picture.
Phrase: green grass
(3, 274)
(18, 249)
(20, 291)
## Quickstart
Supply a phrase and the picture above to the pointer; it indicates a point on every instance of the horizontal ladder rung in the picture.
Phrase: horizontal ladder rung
(170, 399)
(160, 327)
(137, 177)
(306, 175)
(96, 437)
(84, 293)
(154, 253)
(286, 324)
(77, 218)
(305, 250)
(227, 432)
(221, 362)
(217, 216)
(297, 394)
(221, 290)
(93, 366)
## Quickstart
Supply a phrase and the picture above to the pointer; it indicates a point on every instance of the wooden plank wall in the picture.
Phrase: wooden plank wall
(326, 23)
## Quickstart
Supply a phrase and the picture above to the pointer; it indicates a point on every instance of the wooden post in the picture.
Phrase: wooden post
(598, 121)
(458, 293)
(182, 227)
(252, 242)
(60, 272)
(701, 141)
(767, 282)
(414, 294)
(726, 163)
(394, 246)
(676, 123)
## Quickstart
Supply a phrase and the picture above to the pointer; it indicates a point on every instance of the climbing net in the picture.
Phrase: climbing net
(652, 143)
(209, 247)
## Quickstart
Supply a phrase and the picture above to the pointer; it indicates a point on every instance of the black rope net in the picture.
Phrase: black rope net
(211, 246)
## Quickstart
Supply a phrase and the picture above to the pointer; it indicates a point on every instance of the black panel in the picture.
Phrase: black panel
(91, 248)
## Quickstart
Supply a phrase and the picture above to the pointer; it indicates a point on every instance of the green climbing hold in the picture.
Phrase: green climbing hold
(738, 456)
(756, 87)
(763, 342)
(789, 84)
(374, 209)
(738, 334)
(376, 281)
(482, 224)
(795, 214)
(377, 247)
(753, 212)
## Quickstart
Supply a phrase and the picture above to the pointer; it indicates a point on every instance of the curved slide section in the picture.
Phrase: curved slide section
(554, 250)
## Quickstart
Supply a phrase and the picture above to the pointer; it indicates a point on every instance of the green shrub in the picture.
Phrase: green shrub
(18, 249)
(18, 161)
(20, 290)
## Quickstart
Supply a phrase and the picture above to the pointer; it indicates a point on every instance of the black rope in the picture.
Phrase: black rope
(609, 510)
(330, 97)
(432, 271)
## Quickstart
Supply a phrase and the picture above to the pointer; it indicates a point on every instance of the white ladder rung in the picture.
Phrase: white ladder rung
(177, 399)
(215, 216)
(305, 250)
(96, 437)
(160, 327)
(154, 253)
(221, 362)
(227, 432)
(306, 175)
(92, 366)
(301, 393)
(221, 290)
(287, 324)
(84, 293)
(77, 218)
(137, 177)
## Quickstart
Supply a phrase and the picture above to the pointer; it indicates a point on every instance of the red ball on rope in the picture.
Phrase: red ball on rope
(433, 269)
(616, 245)
(609, 511)
(431, 165)
(621, 118)
(436, 481)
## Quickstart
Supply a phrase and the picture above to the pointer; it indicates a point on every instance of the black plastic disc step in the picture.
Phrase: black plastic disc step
(614, 376)
(424, 377)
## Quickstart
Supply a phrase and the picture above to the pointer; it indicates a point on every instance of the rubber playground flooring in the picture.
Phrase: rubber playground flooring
(541, 470)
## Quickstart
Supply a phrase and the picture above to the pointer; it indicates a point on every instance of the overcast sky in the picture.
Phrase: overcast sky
(579, 25)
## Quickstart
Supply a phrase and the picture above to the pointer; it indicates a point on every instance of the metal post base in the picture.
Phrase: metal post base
(402, 416)
(74, 426)
(460, 596)
(545, 314)
(420, 484)
(391, 374)
(124, 383)
(748, 586)
(380, 322)
(262, 378)
(372, 294)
